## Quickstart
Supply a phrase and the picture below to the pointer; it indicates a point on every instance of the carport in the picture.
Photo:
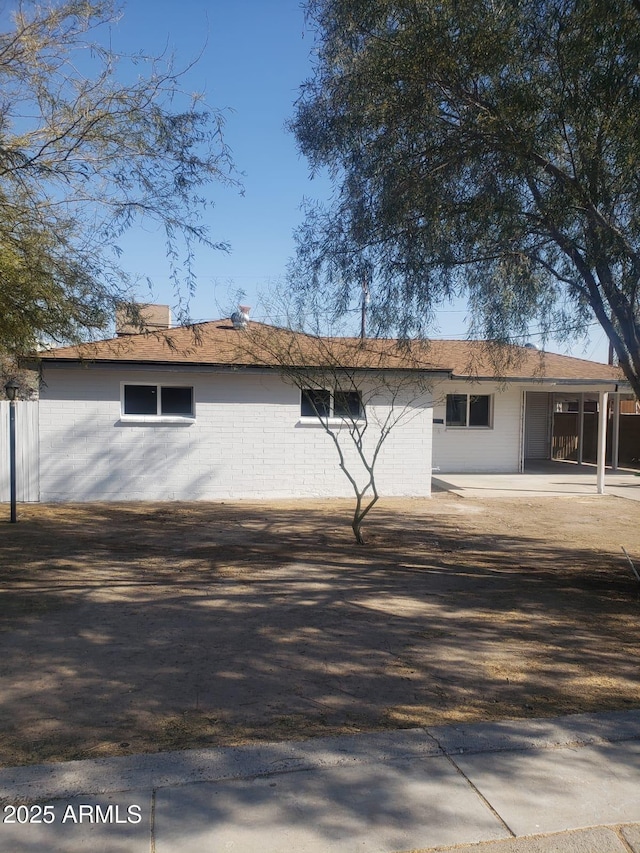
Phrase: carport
(498, 418)
(569, 407)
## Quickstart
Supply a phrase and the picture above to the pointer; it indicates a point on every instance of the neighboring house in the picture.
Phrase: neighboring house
(205, 413)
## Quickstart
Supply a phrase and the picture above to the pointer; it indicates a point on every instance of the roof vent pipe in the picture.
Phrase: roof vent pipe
(240, 318)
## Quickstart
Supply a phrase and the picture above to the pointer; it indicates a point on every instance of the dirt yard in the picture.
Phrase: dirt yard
(143, 627)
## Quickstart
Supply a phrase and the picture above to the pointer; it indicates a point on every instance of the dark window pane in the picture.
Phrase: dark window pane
(347, 404)
(140, 400)
(177, 401)
(456, 409)
(315, 402)
(479, 410)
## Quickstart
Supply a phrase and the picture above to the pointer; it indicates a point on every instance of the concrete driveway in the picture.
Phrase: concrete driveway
(545, 478)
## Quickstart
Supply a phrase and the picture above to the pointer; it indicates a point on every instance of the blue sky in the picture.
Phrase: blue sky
(255, 55)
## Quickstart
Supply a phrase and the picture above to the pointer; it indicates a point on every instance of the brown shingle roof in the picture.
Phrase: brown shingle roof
(218, 343)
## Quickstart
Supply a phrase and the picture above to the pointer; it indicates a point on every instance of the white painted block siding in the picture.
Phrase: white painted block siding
(478, 449)
(247, 442)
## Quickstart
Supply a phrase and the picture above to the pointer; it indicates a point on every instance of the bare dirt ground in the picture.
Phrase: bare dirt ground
(144, 627)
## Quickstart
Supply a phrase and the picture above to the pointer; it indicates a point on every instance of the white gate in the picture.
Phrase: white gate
(27, 451)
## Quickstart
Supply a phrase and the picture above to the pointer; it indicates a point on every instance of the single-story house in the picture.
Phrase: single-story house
(219, 410)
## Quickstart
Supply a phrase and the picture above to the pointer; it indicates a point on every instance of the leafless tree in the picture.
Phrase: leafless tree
(359, 390)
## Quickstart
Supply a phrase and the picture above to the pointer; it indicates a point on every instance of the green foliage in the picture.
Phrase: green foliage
(90, 143)
(480, 147)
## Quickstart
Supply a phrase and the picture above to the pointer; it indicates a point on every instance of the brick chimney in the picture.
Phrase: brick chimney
(133, 318)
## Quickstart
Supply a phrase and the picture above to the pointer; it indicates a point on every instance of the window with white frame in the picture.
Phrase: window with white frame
(319, 402)
(157, 401)
(469, 410)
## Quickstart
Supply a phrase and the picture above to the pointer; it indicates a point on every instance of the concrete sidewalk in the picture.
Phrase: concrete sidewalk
(507, 787)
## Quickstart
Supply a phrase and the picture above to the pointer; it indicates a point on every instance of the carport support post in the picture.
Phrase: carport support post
(603, 412)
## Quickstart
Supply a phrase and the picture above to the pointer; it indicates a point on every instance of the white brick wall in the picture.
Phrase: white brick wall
(247, 442)
(478, 450)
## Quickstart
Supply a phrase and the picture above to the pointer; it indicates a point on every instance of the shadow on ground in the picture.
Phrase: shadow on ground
(145, 627)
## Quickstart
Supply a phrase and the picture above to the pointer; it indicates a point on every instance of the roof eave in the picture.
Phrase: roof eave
(537, 380)
(619, 383)
(107, 362)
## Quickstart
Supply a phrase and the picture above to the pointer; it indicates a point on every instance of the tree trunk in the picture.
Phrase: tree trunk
(360, 514)
(356, 526)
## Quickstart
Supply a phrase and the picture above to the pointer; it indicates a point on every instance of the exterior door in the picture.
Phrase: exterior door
(537, 432)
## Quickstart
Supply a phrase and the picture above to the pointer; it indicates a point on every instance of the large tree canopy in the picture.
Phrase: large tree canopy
(90, 142)
(479, 147)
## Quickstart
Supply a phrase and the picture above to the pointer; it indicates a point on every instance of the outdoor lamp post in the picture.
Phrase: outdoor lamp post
(11, 389)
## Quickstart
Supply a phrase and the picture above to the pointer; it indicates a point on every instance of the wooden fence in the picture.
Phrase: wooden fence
(565, 438)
